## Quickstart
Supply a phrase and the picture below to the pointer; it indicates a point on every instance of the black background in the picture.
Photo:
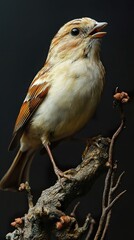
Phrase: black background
(26, 29)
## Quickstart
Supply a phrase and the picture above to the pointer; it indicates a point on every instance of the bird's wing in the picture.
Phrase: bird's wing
(36, 93)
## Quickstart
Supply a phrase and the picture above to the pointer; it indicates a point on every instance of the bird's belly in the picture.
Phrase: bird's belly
(69, 125)
(62, 116)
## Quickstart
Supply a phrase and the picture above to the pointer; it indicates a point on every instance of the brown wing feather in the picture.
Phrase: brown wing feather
(35, 96)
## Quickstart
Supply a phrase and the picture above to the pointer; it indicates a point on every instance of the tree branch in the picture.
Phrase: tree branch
(40, 221)
(109, 188)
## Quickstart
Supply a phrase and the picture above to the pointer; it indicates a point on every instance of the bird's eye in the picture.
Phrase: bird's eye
(75, 32)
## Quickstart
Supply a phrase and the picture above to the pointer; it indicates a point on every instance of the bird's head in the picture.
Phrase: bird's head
(77, 39)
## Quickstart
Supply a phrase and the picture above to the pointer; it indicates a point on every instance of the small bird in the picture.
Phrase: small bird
(61, 99)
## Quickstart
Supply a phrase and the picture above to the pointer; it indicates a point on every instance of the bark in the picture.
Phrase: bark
(48, 218)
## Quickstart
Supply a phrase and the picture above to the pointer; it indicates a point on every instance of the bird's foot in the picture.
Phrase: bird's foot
(60, 175)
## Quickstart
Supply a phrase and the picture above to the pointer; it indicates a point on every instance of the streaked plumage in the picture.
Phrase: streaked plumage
(62, 97)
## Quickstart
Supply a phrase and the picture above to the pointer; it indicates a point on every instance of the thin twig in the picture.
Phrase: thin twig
(90, 229)
(107, 202)
(101, 226)
(116, 134)
(118, 182)
(109, 196)
(106, 189)
(74, 209)
(25, 186)
(115, 200)
(29, 195)
(106, 224)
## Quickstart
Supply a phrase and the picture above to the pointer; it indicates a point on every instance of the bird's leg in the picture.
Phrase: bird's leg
(57, 171)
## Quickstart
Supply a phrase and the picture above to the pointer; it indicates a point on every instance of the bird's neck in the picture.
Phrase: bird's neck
(94, 51)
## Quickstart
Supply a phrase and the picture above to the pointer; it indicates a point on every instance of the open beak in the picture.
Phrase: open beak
(96, 31)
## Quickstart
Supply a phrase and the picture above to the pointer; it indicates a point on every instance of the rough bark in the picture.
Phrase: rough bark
(48, 216)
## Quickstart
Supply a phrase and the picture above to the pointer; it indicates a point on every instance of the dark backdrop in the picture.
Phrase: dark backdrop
(26, 28)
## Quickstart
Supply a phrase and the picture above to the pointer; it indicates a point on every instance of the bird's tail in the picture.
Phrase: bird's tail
(18, 172)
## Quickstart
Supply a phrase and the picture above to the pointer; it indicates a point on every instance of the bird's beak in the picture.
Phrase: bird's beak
(96, 31)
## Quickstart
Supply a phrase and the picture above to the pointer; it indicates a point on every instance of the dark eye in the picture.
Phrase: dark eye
(75, 31)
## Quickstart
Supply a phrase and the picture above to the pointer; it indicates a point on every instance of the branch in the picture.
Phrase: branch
(109, 188)
(48, 215)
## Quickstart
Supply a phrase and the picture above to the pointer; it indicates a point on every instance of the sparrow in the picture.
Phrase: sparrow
(61, 99)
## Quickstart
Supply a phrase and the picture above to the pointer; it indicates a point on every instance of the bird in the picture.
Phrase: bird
(61, 99)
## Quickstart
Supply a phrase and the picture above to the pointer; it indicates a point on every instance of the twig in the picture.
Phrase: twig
(26, 186)
(74, 210)
(114, 201)
(106, 189)
(109, 187)
(118, 182)
(116, 134)
(106, 224)
(106, 214)
(90, 229)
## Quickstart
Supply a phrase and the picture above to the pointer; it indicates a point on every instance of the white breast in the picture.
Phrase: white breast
(72, 99)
